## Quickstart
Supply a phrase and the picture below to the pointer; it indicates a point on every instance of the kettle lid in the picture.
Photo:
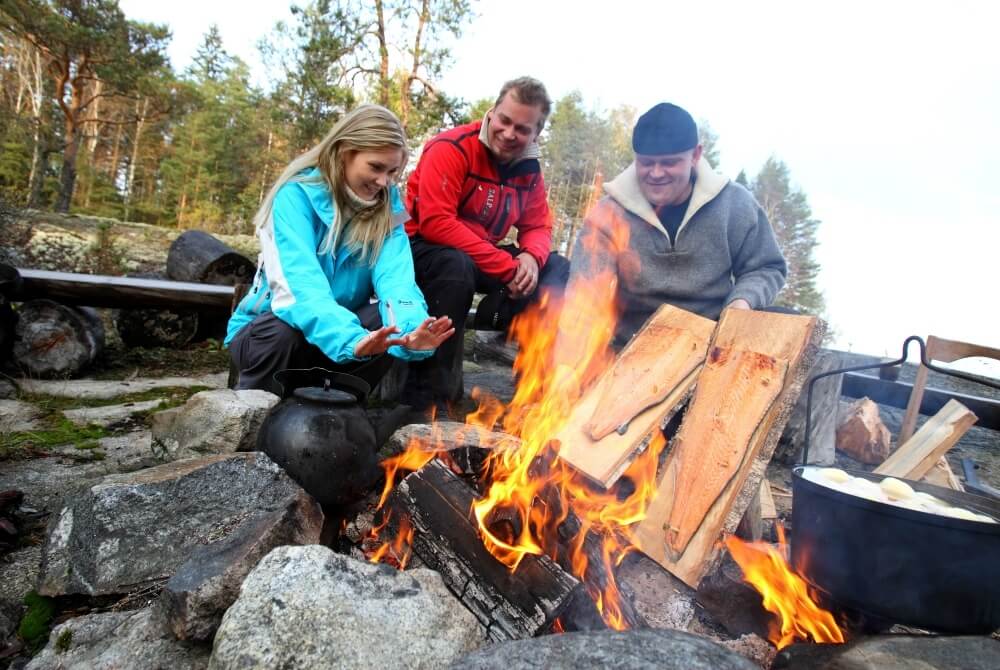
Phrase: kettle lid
(329, 396)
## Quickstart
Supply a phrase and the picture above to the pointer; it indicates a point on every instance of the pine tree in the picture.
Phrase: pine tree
(788, 211)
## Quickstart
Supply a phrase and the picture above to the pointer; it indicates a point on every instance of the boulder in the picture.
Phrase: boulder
(307, 607)
(209, 582)
(622, 650)
(211, 422)
(118, 641)
(87, 389)
(895, 652)
(128, 531)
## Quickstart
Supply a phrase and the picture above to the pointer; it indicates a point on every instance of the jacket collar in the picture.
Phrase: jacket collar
(625, 190)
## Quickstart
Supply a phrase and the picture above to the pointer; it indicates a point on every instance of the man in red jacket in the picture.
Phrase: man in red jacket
(472, 184)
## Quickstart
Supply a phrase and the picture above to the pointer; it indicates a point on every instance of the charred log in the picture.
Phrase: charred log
(510, 605)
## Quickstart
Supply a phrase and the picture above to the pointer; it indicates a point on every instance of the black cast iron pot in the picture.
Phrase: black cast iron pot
(895, 564)
(322, 437)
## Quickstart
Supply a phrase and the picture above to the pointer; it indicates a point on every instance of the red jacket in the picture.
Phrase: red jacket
(460, 197)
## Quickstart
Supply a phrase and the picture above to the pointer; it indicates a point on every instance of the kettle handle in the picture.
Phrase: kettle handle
(294, 378)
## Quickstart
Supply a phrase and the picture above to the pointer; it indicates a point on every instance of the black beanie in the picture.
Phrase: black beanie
(664, 129)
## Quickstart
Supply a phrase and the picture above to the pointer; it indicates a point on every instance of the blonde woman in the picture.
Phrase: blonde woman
(332, 237)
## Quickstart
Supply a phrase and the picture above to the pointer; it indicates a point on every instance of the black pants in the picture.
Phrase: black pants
(449, 279)
(268, 345)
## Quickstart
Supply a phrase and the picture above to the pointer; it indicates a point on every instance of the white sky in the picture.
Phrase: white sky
(886, 113)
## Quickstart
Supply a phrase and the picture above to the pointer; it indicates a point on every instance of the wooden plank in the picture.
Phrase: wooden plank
(942, 475)
(606, 459)
(825, 401)
(71, 288)
(918, 455)
(791, 339)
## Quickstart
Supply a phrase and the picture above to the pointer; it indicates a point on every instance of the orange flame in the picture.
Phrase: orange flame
(785, 593)
(564, 347)
(398, 550)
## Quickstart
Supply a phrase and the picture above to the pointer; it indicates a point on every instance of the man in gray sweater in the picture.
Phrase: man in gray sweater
(675, 231)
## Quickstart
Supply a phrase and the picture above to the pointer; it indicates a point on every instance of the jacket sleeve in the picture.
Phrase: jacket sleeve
(442, 175)
(534, 230)
(396, 286)
(301, 294)
(759, 269)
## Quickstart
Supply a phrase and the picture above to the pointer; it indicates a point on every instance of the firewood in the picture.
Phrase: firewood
(862, 435)
(917, 456)
(941, 474)
(510, 605)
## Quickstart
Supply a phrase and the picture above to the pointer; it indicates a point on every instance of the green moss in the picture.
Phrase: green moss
(34, 626)
(56, 431)
(174, 394)
(64, 641)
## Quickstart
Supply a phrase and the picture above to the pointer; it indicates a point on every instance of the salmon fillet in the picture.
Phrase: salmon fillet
(649, 368)
(734, 392)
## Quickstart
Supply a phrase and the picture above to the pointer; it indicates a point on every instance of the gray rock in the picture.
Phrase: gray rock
(17, 416)
(119, 641)
(47, 481)
(209, 581)
(99, 389)
(211, 422)
(109, 414)
(895, 652)
(18, 573)
(305, 607)
(636, 649)
(128, 531)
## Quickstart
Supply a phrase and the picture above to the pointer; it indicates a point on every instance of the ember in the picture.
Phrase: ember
(785, 593)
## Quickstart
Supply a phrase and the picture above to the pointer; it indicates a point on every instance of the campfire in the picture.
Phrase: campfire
(524, 503)
(785, 593)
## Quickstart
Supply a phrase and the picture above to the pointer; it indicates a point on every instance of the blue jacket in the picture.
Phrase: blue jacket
(318, 294)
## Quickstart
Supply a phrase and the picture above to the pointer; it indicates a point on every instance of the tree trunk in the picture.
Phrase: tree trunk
(404, 98)
(67, 177)
(383, 54)
(139, 124)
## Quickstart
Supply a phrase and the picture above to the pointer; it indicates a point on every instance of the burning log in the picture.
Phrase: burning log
(510, 605)
(862, 435)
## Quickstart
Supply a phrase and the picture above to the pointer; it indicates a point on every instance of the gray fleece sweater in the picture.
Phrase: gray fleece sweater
(725, 249)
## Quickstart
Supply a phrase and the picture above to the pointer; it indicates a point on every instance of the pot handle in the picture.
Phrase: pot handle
(294, 378)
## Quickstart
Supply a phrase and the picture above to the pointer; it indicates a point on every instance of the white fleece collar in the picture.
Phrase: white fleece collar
(625, 189)
(530, 151)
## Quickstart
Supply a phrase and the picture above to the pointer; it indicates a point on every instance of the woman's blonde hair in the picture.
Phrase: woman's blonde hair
(366, 128)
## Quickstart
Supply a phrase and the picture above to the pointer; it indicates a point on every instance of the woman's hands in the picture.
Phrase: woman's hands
(431, 333)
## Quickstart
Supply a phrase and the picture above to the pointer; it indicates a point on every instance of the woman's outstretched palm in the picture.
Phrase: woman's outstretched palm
(429, 335)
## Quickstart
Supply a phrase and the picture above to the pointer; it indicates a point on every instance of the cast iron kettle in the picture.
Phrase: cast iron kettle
(321, 435)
